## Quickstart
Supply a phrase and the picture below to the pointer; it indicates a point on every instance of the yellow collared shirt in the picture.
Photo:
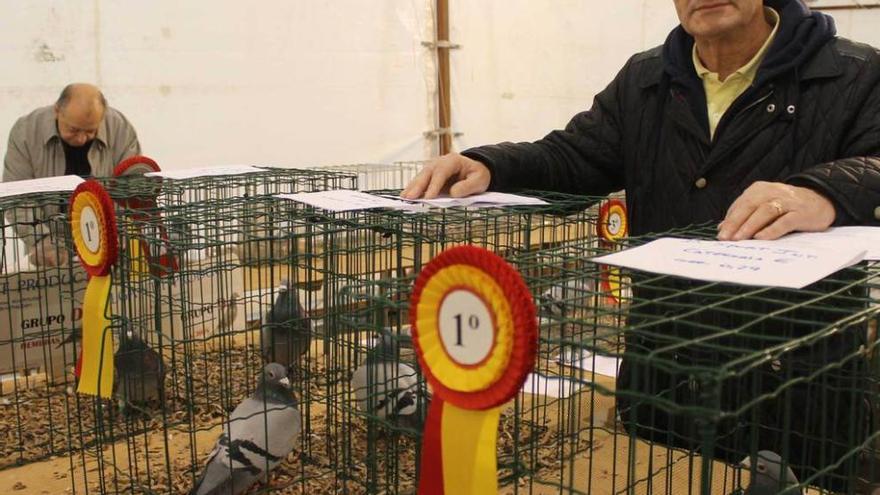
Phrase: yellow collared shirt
(721, 94)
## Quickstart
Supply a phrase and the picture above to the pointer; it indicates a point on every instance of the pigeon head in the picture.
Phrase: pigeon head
(276, 374)
(276, 385)
(767, 473)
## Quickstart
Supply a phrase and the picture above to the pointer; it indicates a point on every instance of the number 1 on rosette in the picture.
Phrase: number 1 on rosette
(475, 332)
(93, 226)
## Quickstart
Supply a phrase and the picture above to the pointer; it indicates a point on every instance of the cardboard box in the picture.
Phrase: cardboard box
(41, 312)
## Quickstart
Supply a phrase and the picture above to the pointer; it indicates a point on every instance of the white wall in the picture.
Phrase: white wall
(308, 82)
(283, 82)
(528, 66)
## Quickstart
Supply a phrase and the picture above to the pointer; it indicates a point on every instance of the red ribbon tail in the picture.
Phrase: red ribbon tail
(431, 466)
(79, 364)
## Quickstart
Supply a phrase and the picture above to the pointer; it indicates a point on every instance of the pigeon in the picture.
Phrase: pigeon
(566, 297)
(767, 476)
(286, 331)
(140, 373)
(389, 389)
(262, 430)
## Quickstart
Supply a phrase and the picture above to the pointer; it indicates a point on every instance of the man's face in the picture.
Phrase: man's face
(713, 18)
(77, 125)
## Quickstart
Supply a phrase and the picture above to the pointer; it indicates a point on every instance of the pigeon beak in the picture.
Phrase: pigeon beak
(285, 381)
(746, 463)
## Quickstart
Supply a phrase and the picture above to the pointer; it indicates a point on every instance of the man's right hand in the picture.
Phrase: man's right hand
(46, 254)
(458, 175)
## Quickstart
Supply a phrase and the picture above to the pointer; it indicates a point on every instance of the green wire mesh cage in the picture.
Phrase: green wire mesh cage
(643, 383)
(655, 384)
(40, 312)
(377, 176)
(198, 284)
(185, 266)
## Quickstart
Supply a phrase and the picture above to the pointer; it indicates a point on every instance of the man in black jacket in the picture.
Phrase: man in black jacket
(798, 149)
(752, 115)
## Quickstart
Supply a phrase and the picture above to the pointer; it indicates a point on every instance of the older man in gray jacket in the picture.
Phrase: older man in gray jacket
(78, 135)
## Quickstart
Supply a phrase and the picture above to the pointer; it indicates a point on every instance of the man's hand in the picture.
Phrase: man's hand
(453, 173)
(46, 254)
(769, 210)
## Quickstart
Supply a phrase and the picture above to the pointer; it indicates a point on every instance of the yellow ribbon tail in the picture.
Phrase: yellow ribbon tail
(96, 376)
(469, 450)
(139, 265)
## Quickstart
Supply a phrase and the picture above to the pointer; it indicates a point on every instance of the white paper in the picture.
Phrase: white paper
(47, 184)
(487, 199)
(190, 173)
(551, 386)
(602, 365)
(867, 238)
(345, 200)
(792, 263)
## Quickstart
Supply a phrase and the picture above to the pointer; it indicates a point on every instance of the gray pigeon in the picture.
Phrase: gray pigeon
(261, 432)
(140, 373)
(388, 389)
(286, 332)
(568, 295)
(767, 477)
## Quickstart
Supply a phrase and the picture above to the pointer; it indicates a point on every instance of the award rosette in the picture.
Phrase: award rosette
(144, 258)
(613, 226)
(475, 331)
(612, 223)
(93, 225)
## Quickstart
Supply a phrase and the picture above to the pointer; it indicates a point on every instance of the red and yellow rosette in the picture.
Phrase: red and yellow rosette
(144, 259)
(475, 332)
(93, 224)
(610, 283)
(613, 226)
(612, 223)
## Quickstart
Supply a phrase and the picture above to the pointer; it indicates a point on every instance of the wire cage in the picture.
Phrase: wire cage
(656, 384)
(377, 444)
(208, 308)
(180, 276)
(40, 313)
(378, 176)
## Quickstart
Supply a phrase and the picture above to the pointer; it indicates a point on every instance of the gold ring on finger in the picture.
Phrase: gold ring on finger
(778, 206)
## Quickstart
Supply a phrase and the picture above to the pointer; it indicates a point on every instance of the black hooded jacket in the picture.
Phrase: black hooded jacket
(811, 118)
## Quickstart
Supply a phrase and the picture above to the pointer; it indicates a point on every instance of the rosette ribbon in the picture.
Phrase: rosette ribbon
(93, 224)
(144, 258)
(613, 226)
(475, 333)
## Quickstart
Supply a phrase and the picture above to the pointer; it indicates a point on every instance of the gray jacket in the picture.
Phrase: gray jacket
(35, 151)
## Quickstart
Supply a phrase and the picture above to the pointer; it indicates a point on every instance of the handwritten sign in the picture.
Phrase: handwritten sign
(866, 237)
(792, 264)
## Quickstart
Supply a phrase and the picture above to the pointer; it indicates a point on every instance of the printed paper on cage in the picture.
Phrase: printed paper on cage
(486, 199)
(345, 200)
(48, 184)
(786, 263)
(191, 173)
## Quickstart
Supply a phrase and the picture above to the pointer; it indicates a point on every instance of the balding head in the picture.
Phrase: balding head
(79, 111)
